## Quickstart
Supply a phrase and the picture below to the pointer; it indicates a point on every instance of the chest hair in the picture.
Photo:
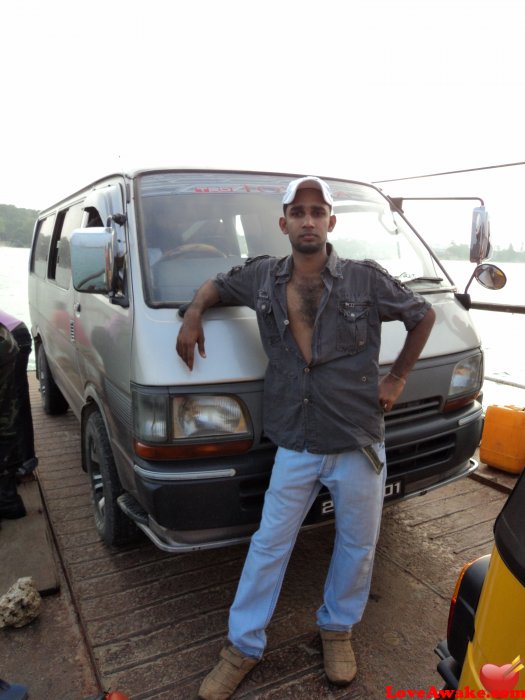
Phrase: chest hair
(305, 296)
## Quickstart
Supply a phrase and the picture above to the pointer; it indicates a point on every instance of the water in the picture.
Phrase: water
(14, 264)
(502, 334)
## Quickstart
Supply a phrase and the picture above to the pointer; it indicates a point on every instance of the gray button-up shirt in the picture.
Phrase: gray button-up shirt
(331, 404)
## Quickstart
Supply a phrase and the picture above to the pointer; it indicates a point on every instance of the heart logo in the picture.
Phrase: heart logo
(500, 680)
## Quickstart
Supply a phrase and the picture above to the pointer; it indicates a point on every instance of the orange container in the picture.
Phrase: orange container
(503, 438)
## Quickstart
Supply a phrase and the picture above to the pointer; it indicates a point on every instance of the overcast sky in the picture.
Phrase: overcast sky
(367, 89)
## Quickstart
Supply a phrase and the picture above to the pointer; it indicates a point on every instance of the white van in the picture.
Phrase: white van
(183, 455)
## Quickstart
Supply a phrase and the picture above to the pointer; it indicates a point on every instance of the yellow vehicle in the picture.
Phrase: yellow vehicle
(484, 653)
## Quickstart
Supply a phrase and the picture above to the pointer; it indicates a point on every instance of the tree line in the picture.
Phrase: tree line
(16, 231)
(16, 226)
(455, 251)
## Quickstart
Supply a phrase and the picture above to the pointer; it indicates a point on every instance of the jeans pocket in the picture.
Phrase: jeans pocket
(371, 453)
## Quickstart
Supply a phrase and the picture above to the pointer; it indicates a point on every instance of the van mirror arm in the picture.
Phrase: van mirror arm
(119, 300)
(119, 219)
(464, 299)
(119, 247)
(397, 202)
(480, 246)
(116, 251)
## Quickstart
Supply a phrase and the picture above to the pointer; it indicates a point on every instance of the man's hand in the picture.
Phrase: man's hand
(191, 331)
(190, 334)
(390, 388)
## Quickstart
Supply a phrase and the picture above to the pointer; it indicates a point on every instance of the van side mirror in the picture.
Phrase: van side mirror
(489, 276)
(93, 253)
(480, 247)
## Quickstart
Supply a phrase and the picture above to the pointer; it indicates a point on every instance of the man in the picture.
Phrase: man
(11, 504)
(24, 421)
(320, 322)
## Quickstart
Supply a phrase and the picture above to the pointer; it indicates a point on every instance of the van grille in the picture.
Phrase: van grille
(407, 412)
(430, 452)
(424, 453)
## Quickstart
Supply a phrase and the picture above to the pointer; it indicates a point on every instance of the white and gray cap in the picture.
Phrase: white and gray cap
(308, 182)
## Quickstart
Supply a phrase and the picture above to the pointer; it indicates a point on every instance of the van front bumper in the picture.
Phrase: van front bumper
(202, 504)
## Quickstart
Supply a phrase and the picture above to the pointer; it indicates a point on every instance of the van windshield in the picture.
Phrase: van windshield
(193, 225)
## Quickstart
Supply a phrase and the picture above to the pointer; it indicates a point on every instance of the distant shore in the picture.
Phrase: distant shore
(456, 253)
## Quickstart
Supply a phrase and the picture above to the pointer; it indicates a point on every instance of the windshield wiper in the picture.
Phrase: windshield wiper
(403, 277)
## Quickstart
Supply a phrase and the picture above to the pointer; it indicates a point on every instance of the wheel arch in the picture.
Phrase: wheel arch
(92, 403)
(114, 526)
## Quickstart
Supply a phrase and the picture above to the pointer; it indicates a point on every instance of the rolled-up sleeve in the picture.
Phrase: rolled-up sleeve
(236, 286)
(399, 303)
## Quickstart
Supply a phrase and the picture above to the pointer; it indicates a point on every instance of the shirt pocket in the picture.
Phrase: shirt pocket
(266, 318)
(352, 326)
(277, 352)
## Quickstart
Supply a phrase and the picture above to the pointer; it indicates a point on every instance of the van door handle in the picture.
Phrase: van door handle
(76, 308)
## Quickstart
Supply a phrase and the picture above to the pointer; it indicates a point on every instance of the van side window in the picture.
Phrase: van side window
(60, 265)
(40, 253)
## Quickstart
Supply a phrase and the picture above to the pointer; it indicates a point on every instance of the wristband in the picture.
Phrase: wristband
(399, 379)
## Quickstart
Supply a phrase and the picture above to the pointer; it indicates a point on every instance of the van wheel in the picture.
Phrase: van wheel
(53, 401)
(113, 526)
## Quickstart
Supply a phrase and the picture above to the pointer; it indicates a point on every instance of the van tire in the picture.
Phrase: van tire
(113, 526)
(53, 401)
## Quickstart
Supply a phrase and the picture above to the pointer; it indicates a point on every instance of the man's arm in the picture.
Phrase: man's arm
(391, 386)
(191, 331)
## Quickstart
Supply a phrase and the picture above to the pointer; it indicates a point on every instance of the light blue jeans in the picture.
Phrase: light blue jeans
(357, 492)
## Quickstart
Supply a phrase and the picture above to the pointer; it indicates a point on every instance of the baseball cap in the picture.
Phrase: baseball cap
(308, 182)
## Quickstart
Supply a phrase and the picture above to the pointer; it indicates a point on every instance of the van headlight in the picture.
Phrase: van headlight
(189, 425)
(207, 416)
(466, 382)
(150, 417)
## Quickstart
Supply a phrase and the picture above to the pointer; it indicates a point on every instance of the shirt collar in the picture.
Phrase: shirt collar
(333, 265)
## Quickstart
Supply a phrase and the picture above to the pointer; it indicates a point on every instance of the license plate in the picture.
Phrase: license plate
(393, 489)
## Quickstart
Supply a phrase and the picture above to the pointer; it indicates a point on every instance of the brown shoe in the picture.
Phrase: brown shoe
(223, 680)
(339, 660)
